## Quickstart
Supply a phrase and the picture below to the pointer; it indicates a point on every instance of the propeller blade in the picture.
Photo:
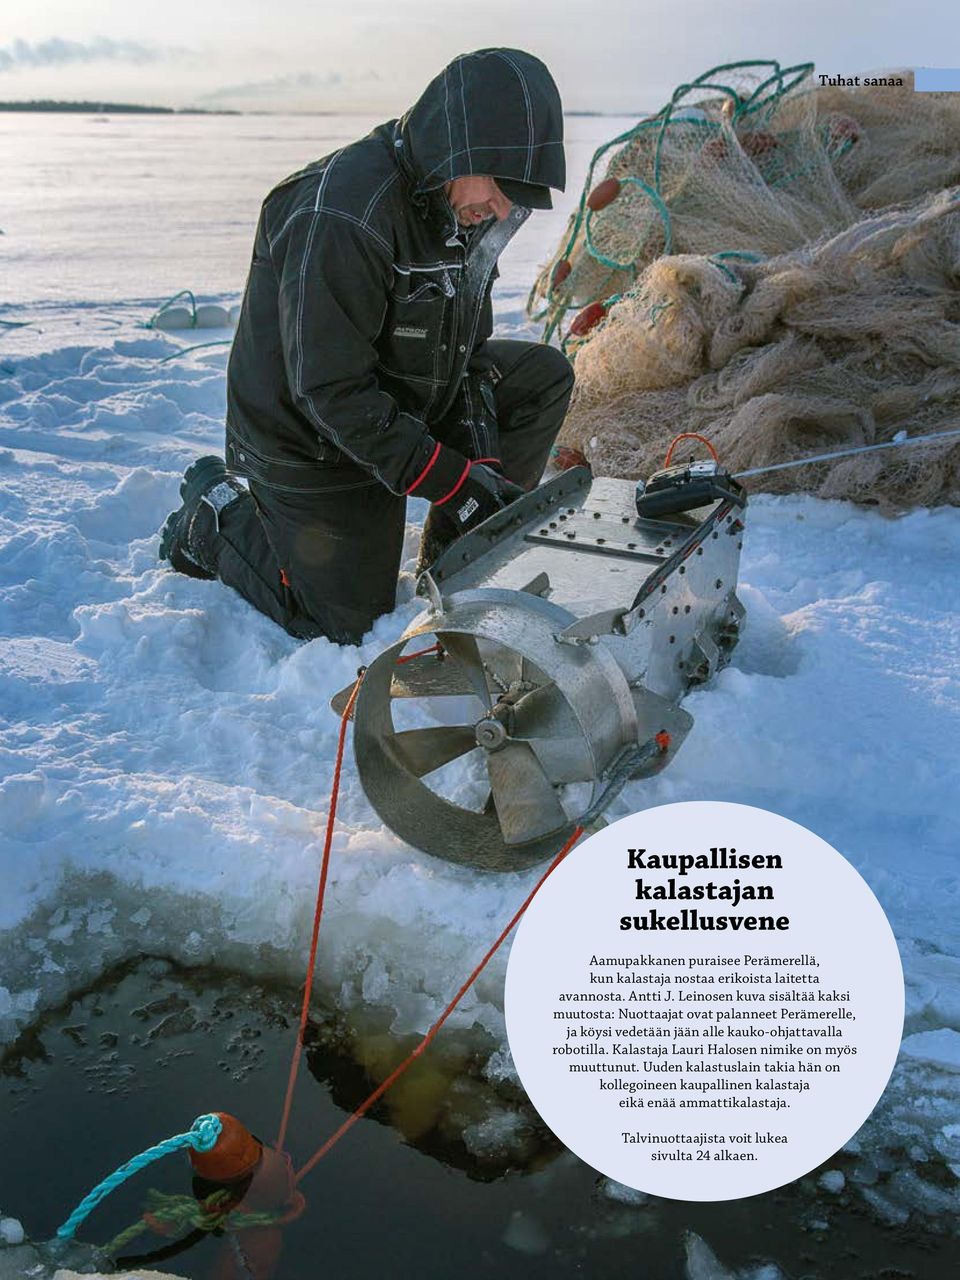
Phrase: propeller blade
(543, 711)
(526, 803)
(563, 759)
(429, 676)
(544, 719)
(463, 649)
(338, 703)
(420, 751)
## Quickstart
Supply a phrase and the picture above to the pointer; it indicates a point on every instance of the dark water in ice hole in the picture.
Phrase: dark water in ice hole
(150, 1047)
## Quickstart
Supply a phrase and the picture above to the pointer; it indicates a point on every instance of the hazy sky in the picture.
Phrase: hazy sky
(377, 55)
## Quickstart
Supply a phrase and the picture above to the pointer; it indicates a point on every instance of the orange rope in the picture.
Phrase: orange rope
(408, 657)
(411, 1057)
(415, 1053)
(689, 435)
(321, 892)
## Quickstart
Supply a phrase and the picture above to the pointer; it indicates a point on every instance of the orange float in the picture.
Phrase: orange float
(603, 194)
(560, 273)
(563, 458)
(755, 144)
(758, 143)
(235, 1154)
(253, 1253)
(586, 319)
(841, 130)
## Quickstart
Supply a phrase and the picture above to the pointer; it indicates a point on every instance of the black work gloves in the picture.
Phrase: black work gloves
(481, 492)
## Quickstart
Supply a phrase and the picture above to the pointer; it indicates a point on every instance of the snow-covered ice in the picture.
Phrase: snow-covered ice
(166, 752)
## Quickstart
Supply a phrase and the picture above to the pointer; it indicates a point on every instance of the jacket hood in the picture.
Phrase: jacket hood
(495, 112)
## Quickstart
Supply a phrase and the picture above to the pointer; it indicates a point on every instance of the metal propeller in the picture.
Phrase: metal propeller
(525, 799)
(530, 737)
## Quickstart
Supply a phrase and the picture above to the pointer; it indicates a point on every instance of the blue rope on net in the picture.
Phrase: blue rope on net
(202, 1136)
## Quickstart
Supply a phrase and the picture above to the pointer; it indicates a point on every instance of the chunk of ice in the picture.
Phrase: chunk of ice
(941, 1048)
(11, 1231)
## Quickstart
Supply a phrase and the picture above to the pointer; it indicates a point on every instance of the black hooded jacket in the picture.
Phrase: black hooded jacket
(367, 308)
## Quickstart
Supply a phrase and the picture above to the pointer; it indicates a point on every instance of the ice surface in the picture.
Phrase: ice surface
(703, 1264)
(165, 752)
(833, 1181)
(525, 1234)
(11, 1231)
(130, 1275)
(616, 1191)
(940, 1048)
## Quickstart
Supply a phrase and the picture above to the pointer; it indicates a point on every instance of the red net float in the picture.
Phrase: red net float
(755, 145)
(587, 319)
(563, 458)
(715, 149)
(603, 194)
(560, 273)
(758, 143)
(842, 132)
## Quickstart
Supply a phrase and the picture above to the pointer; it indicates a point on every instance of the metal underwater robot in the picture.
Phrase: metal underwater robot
(557, 642)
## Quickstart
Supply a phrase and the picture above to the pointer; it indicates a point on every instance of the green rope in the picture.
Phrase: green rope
(741, 255)
(197, 346)
(662, 210)
(184, 293)
(180, 1213)
(775, 83)
(755, 102)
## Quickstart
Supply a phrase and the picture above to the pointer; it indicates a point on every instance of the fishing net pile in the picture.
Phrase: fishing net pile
(777, 267)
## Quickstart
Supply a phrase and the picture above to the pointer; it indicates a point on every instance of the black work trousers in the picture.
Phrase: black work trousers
(326, 562)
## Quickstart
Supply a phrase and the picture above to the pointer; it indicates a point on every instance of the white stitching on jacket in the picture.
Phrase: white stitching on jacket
(526, 97)
(298, 377)
(304, 208)
(380, 191)
(446, 112)
(322, 184)
(466, 124)
(522, 146)
(408, 268)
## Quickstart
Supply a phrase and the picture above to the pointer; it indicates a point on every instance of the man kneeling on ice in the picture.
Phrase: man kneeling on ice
(363, 370)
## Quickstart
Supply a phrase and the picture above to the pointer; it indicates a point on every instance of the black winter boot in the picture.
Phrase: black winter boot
(206, 489)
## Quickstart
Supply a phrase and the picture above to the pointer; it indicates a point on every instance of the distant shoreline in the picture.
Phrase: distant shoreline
(51, 106)
(110, 108)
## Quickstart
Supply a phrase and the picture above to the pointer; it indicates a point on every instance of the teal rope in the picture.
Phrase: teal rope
(662, 210)
(785, 78)
(197, 346)
(774, 85)
(741, 255)
(184, 293)
(660, 121)
(202, 1136)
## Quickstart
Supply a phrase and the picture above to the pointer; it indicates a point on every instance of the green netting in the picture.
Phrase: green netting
(652, 161)
(778, 269)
